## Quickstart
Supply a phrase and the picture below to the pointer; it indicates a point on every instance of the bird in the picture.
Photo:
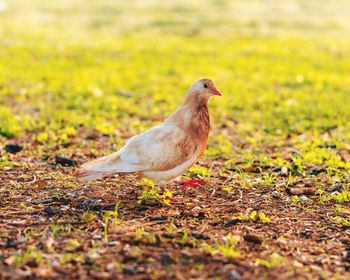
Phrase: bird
(163, 153)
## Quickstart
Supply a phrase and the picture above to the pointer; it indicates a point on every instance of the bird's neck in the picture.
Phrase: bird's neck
(193, 117)
(194, 99)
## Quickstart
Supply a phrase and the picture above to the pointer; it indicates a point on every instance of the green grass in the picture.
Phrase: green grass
(119, 71)
(272, 85)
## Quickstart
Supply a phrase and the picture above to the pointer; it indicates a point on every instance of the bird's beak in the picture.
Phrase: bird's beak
(215, 91)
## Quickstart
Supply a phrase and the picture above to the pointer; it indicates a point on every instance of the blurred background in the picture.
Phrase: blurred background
(122, 66)
(80, 19)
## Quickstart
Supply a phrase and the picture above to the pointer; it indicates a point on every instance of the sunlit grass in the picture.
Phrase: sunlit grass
(111, 86)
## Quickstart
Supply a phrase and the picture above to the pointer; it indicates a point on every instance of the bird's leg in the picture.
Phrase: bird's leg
(192, 183)
(162, 189)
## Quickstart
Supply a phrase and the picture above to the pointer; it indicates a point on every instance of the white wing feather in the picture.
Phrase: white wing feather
(160, 148)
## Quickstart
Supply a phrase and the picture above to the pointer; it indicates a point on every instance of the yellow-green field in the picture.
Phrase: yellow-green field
(77, 78)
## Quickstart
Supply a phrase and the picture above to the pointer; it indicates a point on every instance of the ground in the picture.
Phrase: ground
(77, 79)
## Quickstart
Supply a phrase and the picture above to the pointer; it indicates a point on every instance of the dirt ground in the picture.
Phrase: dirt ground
(52, 227)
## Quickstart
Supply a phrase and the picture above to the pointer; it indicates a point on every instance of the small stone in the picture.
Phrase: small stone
(89, 261)
(234, 275)
(110, 266)
(186, 254)
(276, 169)
(64, 161)
(64, 207)
(200, 236)
(55, 263)
(91, 204)
(347, 254)
(32, 263)
(231, 222)
(11, 243)
(336, 188)
(252, 238)
(303, 198)
(130, 270)
(284, 170)
(166, 259)
(13, 148)
(276, 194)
(168, 235)
(49, 211)
(200, 216)
(317, 171)
(157, 219)
(39, 201)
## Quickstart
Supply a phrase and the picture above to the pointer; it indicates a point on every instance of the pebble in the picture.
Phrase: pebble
(231, 222)
(64, 161)
(64, 207)
(252, 239)
(55, 263)
(200, 236)
(49, 211)
(276, 194)
(13, 148)
(284, 170)
(234, 275)
(347, 254)
(130, 270)
(166, 259)
(336, 188)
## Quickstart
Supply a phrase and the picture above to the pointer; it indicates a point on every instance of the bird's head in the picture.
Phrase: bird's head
(203, 89)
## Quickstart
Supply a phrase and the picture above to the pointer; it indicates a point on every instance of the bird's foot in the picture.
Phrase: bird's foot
(163, 192)
(171, 199)
(192, 183)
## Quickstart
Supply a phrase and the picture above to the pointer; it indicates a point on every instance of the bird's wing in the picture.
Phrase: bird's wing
(160, 148)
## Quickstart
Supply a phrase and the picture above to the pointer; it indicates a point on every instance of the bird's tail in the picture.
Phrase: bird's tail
(98, 168)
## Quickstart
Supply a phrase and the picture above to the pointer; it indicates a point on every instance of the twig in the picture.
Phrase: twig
(34, 180)
(240, 196)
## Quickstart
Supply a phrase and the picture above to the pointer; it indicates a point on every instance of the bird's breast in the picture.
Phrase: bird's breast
(199, 125)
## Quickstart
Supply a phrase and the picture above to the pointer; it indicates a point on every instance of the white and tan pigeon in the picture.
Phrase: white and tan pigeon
(164, 152)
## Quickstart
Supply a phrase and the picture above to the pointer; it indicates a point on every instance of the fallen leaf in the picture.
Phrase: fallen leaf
(72, 245)
(344, 155)
(299, 191)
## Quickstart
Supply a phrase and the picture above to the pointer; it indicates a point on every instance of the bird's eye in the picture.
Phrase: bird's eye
(205, 86)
